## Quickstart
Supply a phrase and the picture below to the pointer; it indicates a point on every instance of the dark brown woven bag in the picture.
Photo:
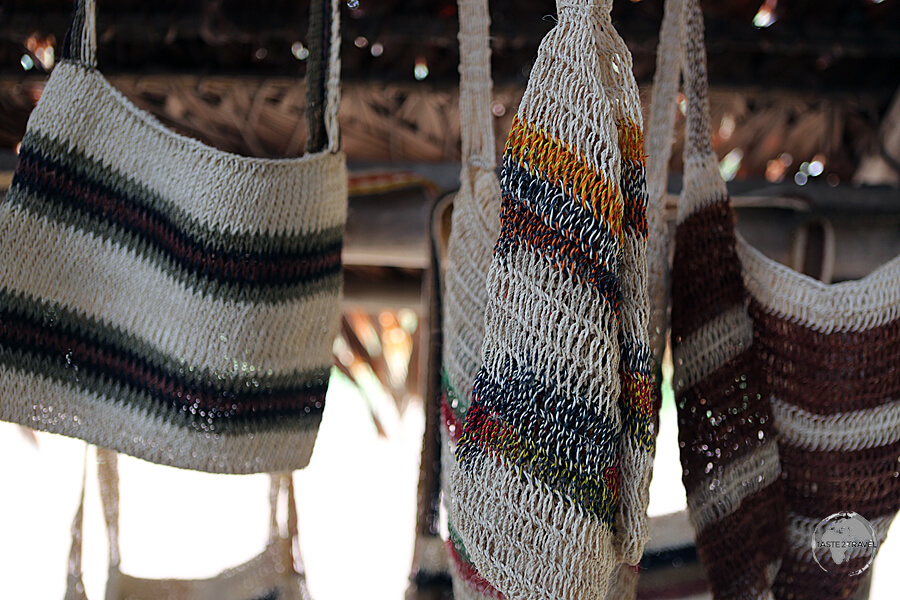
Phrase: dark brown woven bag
(787, 390)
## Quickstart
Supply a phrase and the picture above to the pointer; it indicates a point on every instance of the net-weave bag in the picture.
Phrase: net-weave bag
(554, 460)
(829, 354)
(276, 573)
(728, 448)
(800, 364)
(474, 229)
(161, 297)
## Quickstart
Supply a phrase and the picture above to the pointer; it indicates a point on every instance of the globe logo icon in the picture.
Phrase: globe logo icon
(843, 537)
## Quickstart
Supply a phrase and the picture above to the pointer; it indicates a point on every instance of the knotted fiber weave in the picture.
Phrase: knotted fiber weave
(788, 388)
(554, 459)
(163, 298)
(728, 449)
(474, 231)
(830, 356)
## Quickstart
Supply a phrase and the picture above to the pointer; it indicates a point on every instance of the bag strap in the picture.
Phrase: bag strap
(682, 39)
(475, 86)
(108, 477)
(669, 57)
(282, 484)
(702, 181)
(74, 580)
(80, 44)
(322, 76)
(698, 133)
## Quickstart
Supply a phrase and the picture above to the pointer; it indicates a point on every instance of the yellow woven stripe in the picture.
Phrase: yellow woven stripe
(631, 141)
(556, 162)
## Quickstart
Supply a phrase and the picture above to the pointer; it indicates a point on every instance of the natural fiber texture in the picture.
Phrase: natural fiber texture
(161, 297)
(555, 454)
(476, 211)
(474, 231)
(761, 349)
(728, 450)
(659, 152)
(275, 574)
(830, 355)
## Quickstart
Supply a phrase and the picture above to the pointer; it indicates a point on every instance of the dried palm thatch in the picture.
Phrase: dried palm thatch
(770, 135)
(418, 123)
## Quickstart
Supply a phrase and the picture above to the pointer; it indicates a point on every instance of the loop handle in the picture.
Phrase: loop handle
(669, 58)
(80, 44)
(698, 134)
(282, 484)
(322, 76)
(108, 476)
(475, 86)
(74, 580)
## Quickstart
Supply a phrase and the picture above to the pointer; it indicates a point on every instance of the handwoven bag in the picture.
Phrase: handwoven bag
(475, 225)
(555, 455)
(728, 450)
(275, 574)
(766, 356)
(161, 297)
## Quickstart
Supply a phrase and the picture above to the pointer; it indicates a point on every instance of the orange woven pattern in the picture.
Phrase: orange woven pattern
(555, 162)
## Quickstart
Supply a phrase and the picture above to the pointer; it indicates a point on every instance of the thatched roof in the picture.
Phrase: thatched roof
(813, 45)
(815, 82)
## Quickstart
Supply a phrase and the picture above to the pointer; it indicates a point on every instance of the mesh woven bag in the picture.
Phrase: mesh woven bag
(728, 449)
(474, 229)
(788, 390)
(161, 297)
(275, 574)
(829, 355)
(554, 459)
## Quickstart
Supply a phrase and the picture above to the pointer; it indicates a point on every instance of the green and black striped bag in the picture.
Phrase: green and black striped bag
(163, 298)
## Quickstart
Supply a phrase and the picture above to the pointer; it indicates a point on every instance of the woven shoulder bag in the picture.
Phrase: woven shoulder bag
(554, 459)
(474, 229)
(787, 388)
(161, 297)
(728, 451)
(275, 574)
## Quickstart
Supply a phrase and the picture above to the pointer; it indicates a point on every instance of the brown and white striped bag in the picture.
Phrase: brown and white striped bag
(787, 388)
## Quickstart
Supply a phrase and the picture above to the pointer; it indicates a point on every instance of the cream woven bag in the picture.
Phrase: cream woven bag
(474, 230)
(554, 460)
(161, 297)
(275, 574)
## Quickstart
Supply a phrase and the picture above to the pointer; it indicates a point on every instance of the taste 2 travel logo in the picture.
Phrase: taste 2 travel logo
(841, 538)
